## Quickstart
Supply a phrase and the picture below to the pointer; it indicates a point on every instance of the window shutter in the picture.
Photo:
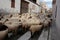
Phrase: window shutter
(12, 3)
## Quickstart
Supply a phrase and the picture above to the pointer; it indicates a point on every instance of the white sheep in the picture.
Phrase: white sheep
(48, 19)
(46, 23)
(11, 25)
(3, 31)
(29, 19)
(35, 28)
(3, 34)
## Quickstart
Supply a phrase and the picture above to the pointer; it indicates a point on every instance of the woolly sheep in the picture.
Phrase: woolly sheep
(11, 25)
(35, 28)
(3, 31)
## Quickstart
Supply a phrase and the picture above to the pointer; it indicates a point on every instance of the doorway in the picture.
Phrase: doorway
(24, 6)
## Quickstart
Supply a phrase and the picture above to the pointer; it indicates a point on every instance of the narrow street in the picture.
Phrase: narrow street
(43, 35)
(27, 20)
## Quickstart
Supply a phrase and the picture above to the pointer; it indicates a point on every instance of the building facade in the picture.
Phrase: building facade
(56, 20)
(34, 6)
(19, 6)
(10, 5)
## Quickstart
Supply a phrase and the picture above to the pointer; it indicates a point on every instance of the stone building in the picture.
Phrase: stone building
(19, 6)
(34, 6)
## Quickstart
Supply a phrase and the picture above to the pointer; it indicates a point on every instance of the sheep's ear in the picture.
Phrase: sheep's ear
(20, 16)
(51, 19)
(30, 17)
(41, 23)
(11, 15)
(19, 20)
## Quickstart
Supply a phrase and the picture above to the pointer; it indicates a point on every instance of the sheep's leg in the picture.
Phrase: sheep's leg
(6, 37)
(32, 33)
(26, 28)
(15, 32)
(23, 29)
(50, 23)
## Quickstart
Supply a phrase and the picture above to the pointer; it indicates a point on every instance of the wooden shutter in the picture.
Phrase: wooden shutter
(12, 3)
(34, 1)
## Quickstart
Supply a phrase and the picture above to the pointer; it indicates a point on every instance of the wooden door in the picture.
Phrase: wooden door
(24, 6)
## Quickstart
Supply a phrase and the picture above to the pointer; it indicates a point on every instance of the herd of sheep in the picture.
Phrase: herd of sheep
(30, 21)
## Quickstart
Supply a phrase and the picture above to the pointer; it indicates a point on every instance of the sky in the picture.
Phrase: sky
(48, 2)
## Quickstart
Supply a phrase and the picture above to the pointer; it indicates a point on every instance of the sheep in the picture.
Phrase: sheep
(48, 15)
(29, 19)
(7, 16)
(3, 31)
(27, 22)
(48, 19)
(35, 28)
(46, 23)
(3, 20)
(33, 21)
(34, 15)
(12, 26)
(15, 15)
(3, 34)
(25, 16)
(13, 22)
(24, 19)
(24, 24)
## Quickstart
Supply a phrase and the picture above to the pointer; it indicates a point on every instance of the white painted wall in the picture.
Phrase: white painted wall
(57, 20)
(54, 10)
(58, 16)
(34, 8)
(6, 5)
(38, 2)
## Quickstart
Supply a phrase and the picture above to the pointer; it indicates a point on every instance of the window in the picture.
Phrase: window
(12, 3)
(34, 1)
(54, 1)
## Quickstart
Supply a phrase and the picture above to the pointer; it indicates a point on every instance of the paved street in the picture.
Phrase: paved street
(54, 31)
(42, 35)
(27, 36)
